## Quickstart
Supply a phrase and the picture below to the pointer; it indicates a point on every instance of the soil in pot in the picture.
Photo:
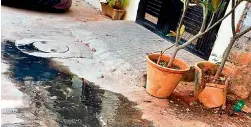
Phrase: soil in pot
(208, 77)
(165, 63)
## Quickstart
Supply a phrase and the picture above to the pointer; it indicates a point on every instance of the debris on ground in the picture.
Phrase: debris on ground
(180, 102)
(241, 106)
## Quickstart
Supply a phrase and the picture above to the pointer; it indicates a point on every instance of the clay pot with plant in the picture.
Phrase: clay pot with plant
(164, 72)
(114, 8)
(212, 79)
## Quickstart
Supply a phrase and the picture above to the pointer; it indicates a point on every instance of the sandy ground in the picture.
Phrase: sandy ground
(21, 23)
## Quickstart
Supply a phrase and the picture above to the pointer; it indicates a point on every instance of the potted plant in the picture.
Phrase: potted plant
(216, 74)
(164, 72)
(114, 8)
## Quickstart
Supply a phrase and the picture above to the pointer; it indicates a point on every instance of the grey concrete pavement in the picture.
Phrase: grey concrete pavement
(128, 41)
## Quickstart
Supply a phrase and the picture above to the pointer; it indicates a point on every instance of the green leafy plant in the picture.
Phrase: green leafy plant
(118, 4)
(163, 63)
(209, 6)
(111, 3)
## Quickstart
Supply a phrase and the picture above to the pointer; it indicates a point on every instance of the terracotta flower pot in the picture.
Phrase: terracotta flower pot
(162, 81)
(115, 14)
(210, 94)
(213, 95)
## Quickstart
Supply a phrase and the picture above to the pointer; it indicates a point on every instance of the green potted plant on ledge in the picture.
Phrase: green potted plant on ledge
(164, 72)
(114, 8)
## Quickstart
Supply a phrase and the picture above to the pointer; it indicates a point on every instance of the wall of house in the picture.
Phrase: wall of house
(131, 10)
(95, 3)
(241, 51)
(225, 33)
(240, 59)
(247, 17)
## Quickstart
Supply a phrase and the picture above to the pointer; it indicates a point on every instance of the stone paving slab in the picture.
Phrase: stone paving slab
(129, 41)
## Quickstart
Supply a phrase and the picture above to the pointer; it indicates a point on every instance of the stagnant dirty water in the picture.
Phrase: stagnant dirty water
(61, 99)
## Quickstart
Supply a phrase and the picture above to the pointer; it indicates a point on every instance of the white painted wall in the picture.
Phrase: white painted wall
(225, 32)
(95, 3)
(131, 10)
(247, 21)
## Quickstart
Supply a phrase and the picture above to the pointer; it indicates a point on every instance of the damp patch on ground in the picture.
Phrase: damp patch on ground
(61, 99)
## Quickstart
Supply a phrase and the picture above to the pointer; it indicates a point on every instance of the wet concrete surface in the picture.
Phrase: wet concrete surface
(59, 98)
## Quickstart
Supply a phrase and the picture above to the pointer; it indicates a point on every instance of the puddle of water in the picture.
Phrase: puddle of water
(24, 66)
(75, 101)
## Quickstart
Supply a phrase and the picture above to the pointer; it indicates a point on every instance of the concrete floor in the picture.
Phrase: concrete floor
(110, 54)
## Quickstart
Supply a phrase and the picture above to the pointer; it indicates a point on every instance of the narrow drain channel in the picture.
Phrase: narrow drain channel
(75, 101)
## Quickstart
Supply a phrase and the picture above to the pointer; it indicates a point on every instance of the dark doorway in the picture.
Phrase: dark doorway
(161, 16)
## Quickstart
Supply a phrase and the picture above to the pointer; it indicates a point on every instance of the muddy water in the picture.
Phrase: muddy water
(65, 98)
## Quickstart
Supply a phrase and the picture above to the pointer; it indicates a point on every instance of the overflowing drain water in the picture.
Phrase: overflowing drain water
(73, 101)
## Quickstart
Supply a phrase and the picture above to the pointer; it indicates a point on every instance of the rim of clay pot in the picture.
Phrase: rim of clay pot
(226, 70)
(177, 62)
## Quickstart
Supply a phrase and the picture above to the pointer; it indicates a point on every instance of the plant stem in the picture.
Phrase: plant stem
(233, 19)
(168, 47)
(199, 34)
(190, 41)
(215, 24)
(202, 32)
(159, 57)
(211, 20)
(243, 32)
(186, 3)
(173, 57)
(205, 12)
(190, 4)
(219, 21)
(227, 51)
(225, 55)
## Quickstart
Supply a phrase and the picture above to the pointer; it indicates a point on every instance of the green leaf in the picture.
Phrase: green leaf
(124, 3)
(222, 5)
(210, 7)
(163, 63)
(170, 35)
(218, 63)
(111, 3)
(214, 55)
